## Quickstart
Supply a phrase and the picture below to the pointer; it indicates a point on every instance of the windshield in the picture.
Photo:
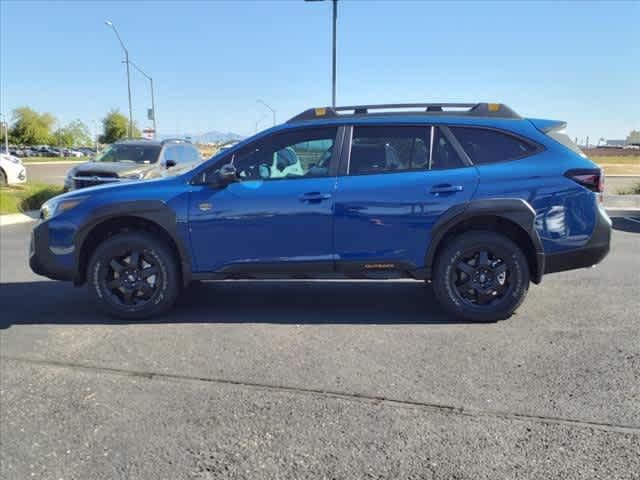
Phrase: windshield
(129, 153)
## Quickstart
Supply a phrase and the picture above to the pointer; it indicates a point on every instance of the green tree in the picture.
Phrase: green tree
(115, 126)
(62, 138)
(634, 138)
(31, 127)
(73, 134)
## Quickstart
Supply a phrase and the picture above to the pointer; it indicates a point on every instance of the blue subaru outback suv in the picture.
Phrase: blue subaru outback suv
(472, 198)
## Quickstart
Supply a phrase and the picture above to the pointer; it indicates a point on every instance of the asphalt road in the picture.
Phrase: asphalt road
(322, 380)
(53, 173)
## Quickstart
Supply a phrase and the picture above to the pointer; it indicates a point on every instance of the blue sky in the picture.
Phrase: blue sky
(210, 61)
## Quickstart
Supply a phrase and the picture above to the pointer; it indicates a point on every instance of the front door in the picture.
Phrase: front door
(278, 217)
(399, 181)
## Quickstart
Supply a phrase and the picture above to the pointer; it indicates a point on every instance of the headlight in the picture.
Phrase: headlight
(56, 206)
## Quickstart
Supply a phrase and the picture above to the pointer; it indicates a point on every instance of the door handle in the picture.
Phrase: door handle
(314, 197)
(445, 188)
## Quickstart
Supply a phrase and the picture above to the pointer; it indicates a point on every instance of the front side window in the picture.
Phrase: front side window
(297, 154)
(129, 153)
(490, 146)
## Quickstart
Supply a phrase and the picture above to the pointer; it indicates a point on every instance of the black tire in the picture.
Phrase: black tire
(133, 276)
(3, 178)
(481, 276)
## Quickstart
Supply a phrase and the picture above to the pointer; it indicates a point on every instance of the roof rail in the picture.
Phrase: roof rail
(483, 109)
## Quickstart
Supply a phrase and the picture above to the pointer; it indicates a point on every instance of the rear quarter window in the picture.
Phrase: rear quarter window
(490, 146)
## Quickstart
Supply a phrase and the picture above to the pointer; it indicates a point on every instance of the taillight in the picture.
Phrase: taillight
(591, 178)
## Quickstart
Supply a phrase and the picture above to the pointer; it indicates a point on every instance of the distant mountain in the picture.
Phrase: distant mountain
(213, 136)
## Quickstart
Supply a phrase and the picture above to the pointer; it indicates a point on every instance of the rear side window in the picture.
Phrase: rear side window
(398, 149)
(489, 146)
(563, 139)
(389, 149)
(443, 156)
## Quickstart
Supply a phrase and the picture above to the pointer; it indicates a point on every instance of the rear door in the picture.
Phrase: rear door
(395, 184)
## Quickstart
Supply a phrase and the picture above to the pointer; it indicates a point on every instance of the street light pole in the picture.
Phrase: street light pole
(153, 102)
(334, 50)
(126, 59)
(6, 134)
(333, 84)
(273, 112)
(258, 122)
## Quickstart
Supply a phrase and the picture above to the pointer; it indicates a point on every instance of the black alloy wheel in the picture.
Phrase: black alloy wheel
(480, 276)
(132, 278)
(134, 275)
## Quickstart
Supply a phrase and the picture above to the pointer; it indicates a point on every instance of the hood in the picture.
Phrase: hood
(111, 169)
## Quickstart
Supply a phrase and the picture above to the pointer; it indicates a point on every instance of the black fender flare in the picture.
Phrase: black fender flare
(154, 211)
(516, 210)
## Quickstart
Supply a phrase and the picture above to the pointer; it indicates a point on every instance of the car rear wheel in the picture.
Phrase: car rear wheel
(481, 276)
(133, 276)
(3, 178)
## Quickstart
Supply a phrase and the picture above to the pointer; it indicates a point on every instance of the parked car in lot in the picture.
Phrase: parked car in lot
(87, 151)
(68, 152)
(470, 197)
(11, 170)
(129, 160)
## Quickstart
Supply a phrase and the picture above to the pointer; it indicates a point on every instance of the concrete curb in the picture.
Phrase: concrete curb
(15, 218)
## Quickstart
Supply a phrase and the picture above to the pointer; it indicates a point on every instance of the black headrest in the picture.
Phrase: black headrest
(367, 158)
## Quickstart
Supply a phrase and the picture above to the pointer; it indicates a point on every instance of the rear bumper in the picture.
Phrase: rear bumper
(42, 260)
(592, 253)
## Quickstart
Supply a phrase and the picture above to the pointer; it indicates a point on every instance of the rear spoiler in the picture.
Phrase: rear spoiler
(546, 126)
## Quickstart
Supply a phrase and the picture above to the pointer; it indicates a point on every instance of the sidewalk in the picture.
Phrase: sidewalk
(15, 218)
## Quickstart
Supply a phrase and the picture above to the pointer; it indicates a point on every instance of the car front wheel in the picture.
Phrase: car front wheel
(481, 276)
(133, 276)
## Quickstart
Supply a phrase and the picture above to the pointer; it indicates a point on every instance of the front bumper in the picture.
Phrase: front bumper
(43, 261)
(16, 173)
(590, 254)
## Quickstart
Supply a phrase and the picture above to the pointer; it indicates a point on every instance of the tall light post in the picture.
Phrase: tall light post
(5, 124)
(110, 24)
(258, 122)
(335, 21)
(273, 112)
(95, 128)
(153, 102)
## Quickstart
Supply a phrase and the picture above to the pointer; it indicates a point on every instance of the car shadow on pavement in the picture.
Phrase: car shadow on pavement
(629, 224)
(280, 302)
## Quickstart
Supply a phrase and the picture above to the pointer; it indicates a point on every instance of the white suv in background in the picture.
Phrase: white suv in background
(11, 170)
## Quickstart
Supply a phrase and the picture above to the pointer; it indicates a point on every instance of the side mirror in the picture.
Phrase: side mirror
(170, 163)
(227, 174)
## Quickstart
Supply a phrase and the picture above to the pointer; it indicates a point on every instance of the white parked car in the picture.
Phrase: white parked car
(11, 170)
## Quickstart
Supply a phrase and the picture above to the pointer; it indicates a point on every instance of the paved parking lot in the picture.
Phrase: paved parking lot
(53, 173)
(322, 380)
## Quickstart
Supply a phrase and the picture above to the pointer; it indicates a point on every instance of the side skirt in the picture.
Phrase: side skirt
(341, 270)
